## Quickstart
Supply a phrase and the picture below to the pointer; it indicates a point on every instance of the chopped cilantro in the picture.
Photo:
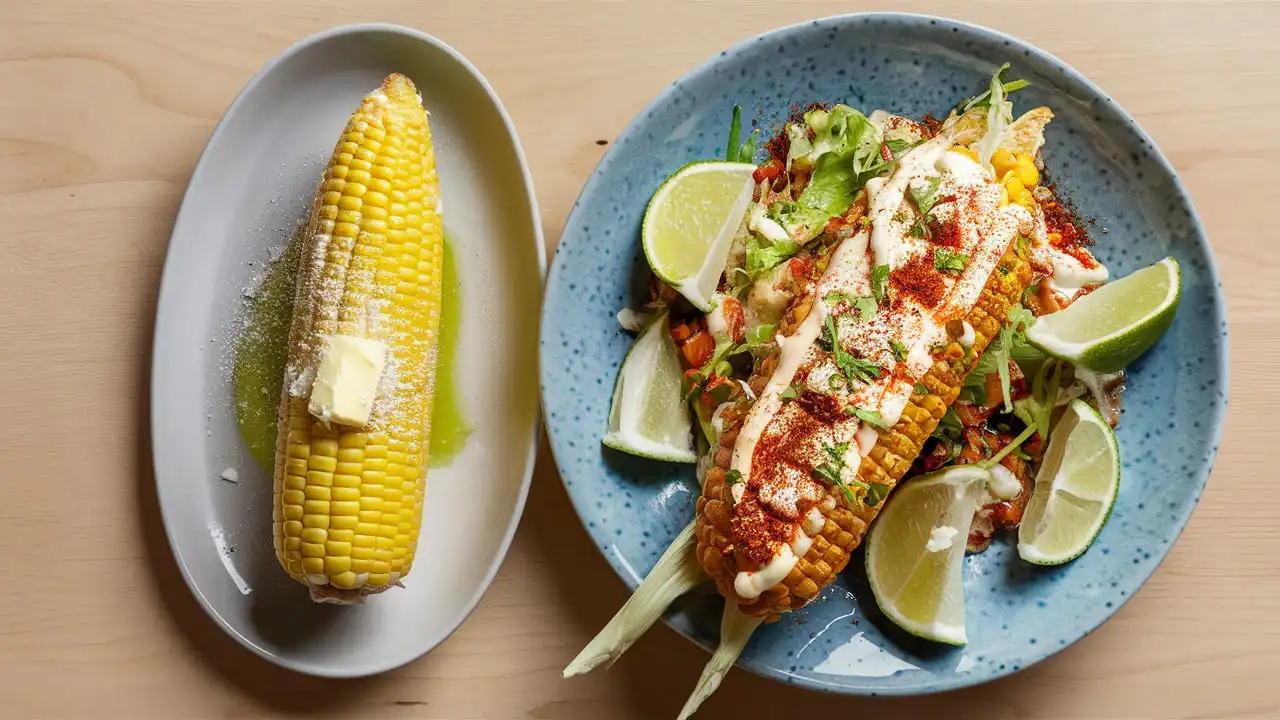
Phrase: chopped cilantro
(791, 392)
(855, 369)
(733, 477)
(922, 389)
(876, 493)
(898, 146)
(949, 260)
(828, 473)
(926, 195)
(871, 417)
(899, 350)
(880, 282)
(864, 304)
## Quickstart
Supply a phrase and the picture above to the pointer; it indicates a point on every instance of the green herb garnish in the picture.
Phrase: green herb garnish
(949, 260)
(921, 389)
(733, 477)
(828, 473)
(855, 369)
(865, 305)
(734, 152)
(880, 282)
(791, 392)
(898, 349)
(871, 417)
(876, 493)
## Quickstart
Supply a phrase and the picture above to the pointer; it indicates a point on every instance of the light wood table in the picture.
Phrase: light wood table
(104, 109)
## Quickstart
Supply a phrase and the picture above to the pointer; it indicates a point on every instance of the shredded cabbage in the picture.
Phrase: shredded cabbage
(999, 118)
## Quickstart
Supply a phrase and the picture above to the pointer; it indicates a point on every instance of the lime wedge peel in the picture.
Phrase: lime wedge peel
(649, 416)
(690, 223)
(1075, 489)
(1110, 327)
(915, 554)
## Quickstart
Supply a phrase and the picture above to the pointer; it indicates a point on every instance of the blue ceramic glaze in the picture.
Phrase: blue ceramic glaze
(1169, 431)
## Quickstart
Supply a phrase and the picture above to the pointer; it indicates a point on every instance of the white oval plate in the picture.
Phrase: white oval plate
(253, 185)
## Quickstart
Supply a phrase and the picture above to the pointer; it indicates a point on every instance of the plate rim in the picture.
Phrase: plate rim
(161, 320)
(1201, 473)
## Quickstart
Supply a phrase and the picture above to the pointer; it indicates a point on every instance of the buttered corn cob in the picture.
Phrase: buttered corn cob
(352, 446)
(895, 449)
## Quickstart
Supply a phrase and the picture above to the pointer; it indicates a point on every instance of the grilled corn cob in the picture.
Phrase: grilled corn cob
(348, 489)
(890, 458)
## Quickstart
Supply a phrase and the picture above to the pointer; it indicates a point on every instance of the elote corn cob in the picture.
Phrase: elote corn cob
(845, 524)
(351, 453)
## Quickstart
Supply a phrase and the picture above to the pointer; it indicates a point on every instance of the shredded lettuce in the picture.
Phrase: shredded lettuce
(802, 223)
(999, 118)
(763, 256)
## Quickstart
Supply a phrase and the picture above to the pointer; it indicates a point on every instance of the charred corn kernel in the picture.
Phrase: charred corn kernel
(1025, 198)
(890, 458)
(349, 498)
(967, 152)
(1003, 161)
(1004, 196)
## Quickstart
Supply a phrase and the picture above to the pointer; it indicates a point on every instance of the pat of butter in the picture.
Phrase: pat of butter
(347, 379)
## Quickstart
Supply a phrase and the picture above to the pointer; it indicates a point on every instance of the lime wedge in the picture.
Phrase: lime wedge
(916, 552)
(1111, 326)
(649, 416)
(690, 223)
(1075, 488)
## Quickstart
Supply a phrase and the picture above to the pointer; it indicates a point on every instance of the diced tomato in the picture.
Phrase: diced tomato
(885, 154)
(801, 268)
(995, 391)
(974, 449)
(834, 224)
(1034, 446)
(681, 332)
(970, 415)
(712, 394)
(734, 319)
(767, 171)
(698, 349)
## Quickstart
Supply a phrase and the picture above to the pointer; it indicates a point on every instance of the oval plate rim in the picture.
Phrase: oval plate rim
(1200, 474)
(162, 320)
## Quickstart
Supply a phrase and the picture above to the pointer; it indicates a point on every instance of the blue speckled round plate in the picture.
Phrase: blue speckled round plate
(912, 65)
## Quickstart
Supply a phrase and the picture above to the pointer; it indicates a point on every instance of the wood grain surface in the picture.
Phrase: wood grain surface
(104, 110)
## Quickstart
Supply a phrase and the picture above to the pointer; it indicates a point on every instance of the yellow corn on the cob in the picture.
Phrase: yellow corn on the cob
(348, 500)
(887, 462)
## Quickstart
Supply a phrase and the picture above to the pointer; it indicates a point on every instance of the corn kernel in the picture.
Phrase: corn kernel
(1003, 161)
(1014, 186)
(1004, 196)
(1027, 172)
